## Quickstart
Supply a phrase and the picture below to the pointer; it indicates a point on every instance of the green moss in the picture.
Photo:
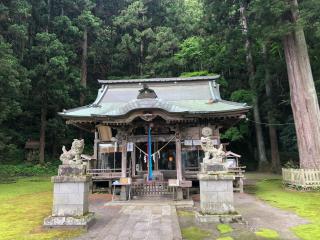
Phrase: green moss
(267, 233)
(308, 231)
(23, 206)
(304, 204)
(194, 233)
(183, 213)
(224, 228)
(224, 238)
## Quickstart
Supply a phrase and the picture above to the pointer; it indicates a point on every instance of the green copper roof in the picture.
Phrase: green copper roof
(174, 95)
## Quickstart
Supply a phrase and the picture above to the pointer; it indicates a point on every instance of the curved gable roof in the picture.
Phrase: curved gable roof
(197, 95)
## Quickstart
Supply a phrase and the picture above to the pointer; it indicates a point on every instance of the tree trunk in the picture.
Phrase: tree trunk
(43, 132)
(275, 156)
(263, 163)
(83, 80)
(304, 100)
(141, 58)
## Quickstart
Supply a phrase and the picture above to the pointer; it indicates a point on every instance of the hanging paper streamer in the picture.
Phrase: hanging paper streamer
(150, 154)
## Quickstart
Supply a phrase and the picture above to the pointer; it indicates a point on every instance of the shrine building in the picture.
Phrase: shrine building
(149, 130)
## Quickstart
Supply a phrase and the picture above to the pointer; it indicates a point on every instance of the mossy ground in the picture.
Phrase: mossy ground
(267, 233)
(23, 206)
(224, 238)
(304, 204)
(224, 228)
(194, 233)
(183, 213)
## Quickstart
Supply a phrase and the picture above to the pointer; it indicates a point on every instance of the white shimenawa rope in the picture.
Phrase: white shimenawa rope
(157, 152)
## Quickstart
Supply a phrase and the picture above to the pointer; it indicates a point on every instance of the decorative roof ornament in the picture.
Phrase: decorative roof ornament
(146, 92)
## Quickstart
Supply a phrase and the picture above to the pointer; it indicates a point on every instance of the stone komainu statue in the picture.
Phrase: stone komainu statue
(211, 154)
(73, 156)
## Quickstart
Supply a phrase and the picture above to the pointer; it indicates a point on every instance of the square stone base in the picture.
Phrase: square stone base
(81, 221)
(216, 194)
(219, 218)
(70, 196)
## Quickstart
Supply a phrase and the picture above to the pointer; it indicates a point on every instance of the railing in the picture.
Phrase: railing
(305, 178)
(104, 173)
(155, 188)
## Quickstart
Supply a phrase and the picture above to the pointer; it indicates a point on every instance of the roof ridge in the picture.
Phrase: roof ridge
(171, 79)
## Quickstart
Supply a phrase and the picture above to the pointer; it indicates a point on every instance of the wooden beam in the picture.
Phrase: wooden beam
(144, 138)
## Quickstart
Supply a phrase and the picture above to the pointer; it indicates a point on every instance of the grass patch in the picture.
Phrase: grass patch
(225, 238)
(183, 213)
(23, 206)
(304, 204)
(224, 228)
(194, 233)
(267, 233)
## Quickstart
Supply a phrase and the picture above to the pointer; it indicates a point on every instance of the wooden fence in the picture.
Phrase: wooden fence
(305, 178)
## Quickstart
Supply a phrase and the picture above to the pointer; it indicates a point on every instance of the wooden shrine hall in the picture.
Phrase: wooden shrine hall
(148, 131)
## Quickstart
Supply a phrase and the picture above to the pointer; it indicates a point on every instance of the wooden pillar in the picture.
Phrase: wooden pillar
(216, 133)
(124, 158)
(95, 148)
(178, 156)
(156, 157)
(178, 165)
(133, 159)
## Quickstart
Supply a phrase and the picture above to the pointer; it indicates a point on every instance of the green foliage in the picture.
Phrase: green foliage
(291, 164)
(238, 133)
(27, 170)
(195, 74)
(191, 53)
(242, 95)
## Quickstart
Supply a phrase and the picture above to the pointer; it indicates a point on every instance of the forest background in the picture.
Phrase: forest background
(53, 51)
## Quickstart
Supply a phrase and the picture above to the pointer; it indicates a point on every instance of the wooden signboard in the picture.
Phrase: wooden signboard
(125, 181)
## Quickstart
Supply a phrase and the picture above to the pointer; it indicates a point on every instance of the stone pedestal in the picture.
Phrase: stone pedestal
(70, 198)
(123, 193)
(179, 194)
(216, 198)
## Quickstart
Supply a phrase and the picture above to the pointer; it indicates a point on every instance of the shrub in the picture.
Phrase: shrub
(27, 170)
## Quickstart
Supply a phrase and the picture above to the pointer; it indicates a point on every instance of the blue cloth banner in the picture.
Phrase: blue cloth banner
(150, 154)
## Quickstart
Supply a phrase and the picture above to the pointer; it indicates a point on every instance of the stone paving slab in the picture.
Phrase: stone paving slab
(149, 221)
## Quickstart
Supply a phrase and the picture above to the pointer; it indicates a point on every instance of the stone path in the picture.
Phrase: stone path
(259, 214)
(145, 220)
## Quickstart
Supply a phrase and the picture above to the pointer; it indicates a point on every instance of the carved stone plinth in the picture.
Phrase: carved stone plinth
(216, 198)
(72, 170)
(70, 198)
(214, 168)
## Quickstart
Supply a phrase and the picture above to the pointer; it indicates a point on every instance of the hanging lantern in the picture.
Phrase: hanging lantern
(170, 158)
